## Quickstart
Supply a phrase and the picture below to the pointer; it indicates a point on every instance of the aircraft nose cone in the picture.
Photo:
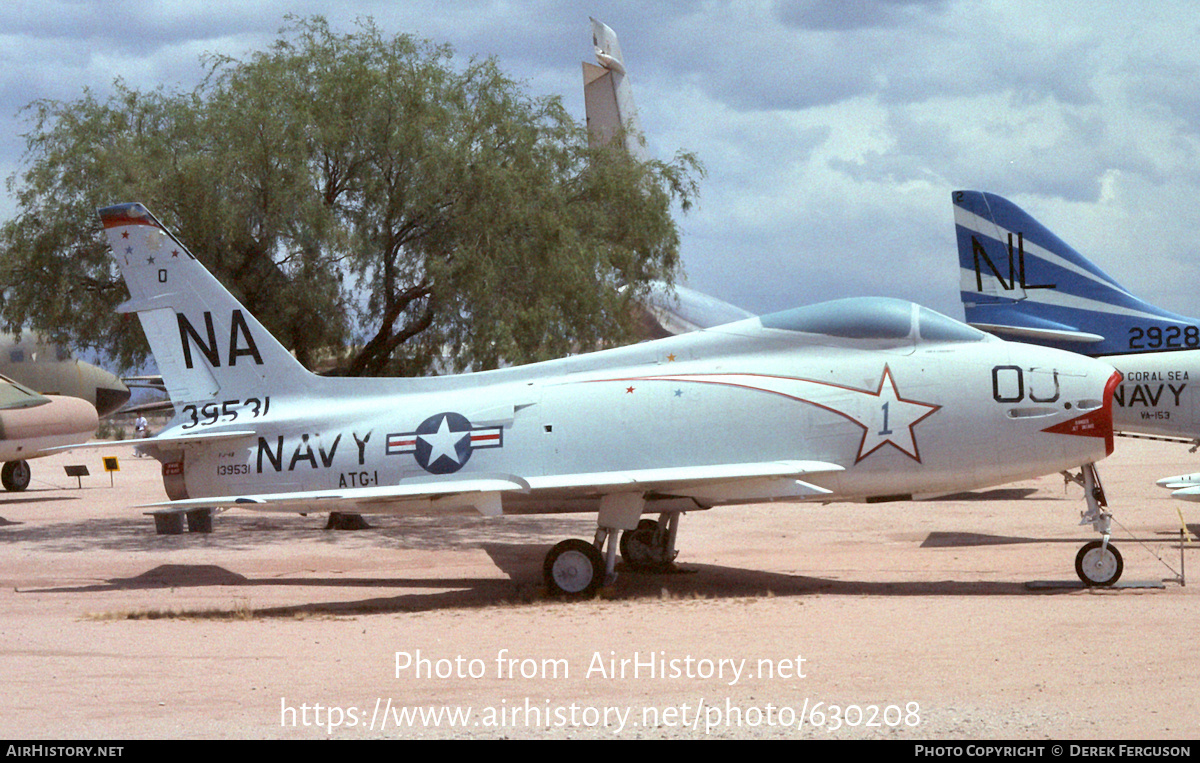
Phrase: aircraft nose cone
(61, 421)
(110, 399)
(1097, 422)
(69, 416)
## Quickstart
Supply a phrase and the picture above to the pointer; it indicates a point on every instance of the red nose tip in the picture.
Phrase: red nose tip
(1109, 389)
(1097, 423)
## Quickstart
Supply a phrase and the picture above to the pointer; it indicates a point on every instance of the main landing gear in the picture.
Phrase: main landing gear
(1098, 563)
(15, 476)
(575, 568)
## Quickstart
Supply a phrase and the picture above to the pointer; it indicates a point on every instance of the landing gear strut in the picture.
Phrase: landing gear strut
(1098, 563)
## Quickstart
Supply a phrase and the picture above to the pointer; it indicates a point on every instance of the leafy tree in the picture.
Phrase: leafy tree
(353, 190)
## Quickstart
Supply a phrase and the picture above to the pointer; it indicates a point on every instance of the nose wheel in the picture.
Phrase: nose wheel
(1099, 563)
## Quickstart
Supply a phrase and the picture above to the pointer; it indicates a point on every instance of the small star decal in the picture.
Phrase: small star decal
(629, 390)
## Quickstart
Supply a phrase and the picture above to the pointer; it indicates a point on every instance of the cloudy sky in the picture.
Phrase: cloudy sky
(833, 131)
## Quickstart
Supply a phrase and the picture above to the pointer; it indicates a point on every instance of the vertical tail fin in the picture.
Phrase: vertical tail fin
(205, 342)
(607, 96)
(1020, 280)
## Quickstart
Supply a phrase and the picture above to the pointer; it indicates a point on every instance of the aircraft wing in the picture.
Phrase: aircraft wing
(692, 481)
(170, 442)
(481, 494)
(670, 310)
(778, 479)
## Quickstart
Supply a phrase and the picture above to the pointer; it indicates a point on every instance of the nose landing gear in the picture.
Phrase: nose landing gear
(1098, 563)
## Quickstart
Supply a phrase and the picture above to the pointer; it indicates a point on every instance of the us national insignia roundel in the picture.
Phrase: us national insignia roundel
(443, 443)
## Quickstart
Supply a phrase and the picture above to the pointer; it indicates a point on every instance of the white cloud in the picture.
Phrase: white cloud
(833, 132)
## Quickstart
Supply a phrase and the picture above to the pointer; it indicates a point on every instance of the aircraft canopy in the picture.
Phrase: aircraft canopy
(873, 318)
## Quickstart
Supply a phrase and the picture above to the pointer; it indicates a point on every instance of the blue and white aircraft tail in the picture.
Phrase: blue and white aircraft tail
(1023, 282)
(1020, 281)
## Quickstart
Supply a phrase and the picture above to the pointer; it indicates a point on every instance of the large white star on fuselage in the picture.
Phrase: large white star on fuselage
(443, 442)
(891, 420)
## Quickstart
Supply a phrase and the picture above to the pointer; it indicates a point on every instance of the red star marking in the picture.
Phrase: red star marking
(629, 390)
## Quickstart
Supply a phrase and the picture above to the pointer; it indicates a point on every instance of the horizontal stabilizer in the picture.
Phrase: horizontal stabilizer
(1181, 481)
(1191, 494)
(1038, 334)
(166, 443)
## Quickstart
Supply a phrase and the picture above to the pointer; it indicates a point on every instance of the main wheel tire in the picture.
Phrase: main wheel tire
(573, 568)
(638, 550)
(15, 476)
(1099, 565)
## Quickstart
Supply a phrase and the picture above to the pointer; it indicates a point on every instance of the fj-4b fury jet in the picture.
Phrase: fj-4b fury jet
(854, 400)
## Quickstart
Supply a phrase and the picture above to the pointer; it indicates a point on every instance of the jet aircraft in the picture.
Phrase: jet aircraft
(1021, 281)
(53, 371)
(31, 423)
(866, 399)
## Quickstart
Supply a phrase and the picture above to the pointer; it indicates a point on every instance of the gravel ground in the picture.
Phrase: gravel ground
(907, 620)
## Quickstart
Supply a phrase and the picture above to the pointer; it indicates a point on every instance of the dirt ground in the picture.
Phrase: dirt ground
(905, 620)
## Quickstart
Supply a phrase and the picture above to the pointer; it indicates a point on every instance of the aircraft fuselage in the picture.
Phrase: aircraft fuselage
(1159, 393)
(910, 419)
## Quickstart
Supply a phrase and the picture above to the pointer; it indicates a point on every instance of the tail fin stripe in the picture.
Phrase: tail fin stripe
(1012, 294)
(977, 226)
(1067, 301)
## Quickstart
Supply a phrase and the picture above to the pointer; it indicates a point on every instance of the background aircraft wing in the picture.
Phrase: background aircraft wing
(669, 310)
